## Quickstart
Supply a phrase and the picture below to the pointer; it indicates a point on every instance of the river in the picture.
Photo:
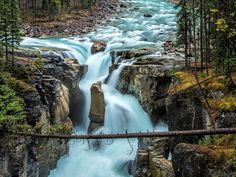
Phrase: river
(129, 29)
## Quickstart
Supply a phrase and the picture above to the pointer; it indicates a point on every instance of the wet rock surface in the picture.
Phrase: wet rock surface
(148, 83)
(97, 109)
(147, 15)
(148, 79)
(98, 46)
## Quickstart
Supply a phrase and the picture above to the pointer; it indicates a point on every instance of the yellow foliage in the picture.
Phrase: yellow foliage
(225, 140)
(214, 10)
(225, 153)
(232, 33)
(221, 25)
(186, 81)
(227, 102)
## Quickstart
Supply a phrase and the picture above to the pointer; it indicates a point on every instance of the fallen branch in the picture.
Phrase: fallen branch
(130, 135)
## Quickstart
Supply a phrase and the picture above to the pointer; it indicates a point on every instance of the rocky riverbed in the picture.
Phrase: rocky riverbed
(80, 22)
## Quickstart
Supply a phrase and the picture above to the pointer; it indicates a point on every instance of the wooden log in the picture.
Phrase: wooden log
(129, 135)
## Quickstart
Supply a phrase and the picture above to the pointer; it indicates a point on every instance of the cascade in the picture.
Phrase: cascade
(123, 112)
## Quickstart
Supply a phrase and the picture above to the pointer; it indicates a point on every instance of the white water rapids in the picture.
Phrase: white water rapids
(123, 112)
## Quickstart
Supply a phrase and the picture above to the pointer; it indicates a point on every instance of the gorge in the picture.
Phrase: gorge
(125, 74)
(130, 29)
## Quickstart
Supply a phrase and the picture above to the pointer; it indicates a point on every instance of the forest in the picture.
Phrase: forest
(207, 29)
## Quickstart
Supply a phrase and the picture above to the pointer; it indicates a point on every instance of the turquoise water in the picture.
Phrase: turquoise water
(129, 29)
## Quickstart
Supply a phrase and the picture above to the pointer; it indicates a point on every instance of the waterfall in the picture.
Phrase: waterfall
(98, 70)
(114, 78)
(123, 112)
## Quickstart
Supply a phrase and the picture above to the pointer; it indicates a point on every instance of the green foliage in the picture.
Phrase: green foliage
(208, 31)
(11, 107)
(222, 151)
(64, 128)
(54, 8)
(19, 86)
(10, 34)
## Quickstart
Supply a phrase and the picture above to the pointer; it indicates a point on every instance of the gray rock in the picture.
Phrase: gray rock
(97, 109)
(149, 83)
(98, 46)
(226, 119)
(197, 161)
(186, 112)
(147, 15)
(188, 162)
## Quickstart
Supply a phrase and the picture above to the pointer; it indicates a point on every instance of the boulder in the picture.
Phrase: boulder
(160, 167)
(189, 161)
(147, 15)
(62, 104)
(97, 109)
(185, 111)
(151, 159)
(226, 119)
(202, 161)
(98, 46)
(131, 53)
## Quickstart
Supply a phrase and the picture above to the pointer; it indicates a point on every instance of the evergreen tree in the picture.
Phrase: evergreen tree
(210, 27)
(9, 28)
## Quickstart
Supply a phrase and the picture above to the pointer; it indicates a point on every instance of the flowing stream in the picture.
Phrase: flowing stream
(130, 29)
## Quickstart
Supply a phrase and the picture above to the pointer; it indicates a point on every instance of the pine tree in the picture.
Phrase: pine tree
(10, 27)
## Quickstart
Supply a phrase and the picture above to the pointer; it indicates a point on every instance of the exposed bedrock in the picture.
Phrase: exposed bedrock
(48, 106)
(148, 83)
(151, 159)
(149, 79)
(185, 111)
(97, 109)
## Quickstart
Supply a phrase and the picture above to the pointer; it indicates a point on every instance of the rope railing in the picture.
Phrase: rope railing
(147, 134)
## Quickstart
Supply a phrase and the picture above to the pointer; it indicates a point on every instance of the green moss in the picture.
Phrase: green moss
(19, 86)
(221, 151)
(64, 128)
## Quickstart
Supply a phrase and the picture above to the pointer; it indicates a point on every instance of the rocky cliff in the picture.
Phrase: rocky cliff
(48, 108)
(150, 79)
